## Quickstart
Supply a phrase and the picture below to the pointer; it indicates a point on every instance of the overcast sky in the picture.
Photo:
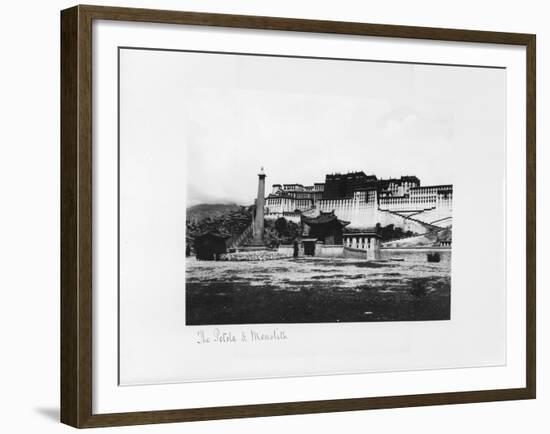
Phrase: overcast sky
(224, 116)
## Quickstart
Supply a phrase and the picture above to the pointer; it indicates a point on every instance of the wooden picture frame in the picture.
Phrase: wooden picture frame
(77, 204)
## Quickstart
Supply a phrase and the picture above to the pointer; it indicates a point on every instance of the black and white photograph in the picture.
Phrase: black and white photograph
(352, 248)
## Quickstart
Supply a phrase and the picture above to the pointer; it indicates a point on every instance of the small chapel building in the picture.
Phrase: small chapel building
(326, 227)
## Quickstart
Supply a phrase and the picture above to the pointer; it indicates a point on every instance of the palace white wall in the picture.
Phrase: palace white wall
(29, 222)
(363, 215)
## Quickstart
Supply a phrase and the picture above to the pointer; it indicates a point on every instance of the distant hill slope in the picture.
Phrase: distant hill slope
(212, 210)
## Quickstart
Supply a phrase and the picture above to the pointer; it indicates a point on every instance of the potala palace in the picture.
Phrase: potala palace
(365, 201)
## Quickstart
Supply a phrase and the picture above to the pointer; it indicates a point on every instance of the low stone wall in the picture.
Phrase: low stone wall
(367, 254)
(350, 252)
(258, 255)
(416, 255)
(323, 250)
(286, 249)
(329, 250)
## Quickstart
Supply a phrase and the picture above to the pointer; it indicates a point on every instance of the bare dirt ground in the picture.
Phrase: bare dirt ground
(311, 290)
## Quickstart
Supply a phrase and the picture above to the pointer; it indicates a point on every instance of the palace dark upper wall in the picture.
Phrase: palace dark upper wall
(344, 185)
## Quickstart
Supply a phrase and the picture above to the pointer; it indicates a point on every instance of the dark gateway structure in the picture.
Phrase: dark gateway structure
(209, 245)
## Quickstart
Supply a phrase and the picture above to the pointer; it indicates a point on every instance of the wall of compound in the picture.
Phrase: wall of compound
(329, 250)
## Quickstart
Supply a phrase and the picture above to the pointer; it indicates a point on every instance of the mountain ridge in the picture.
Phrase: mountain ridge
(212, 210)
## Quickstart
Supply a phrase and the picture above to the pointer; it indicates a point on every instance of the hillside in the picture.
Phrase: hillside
(226, 219)
(213, 210)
